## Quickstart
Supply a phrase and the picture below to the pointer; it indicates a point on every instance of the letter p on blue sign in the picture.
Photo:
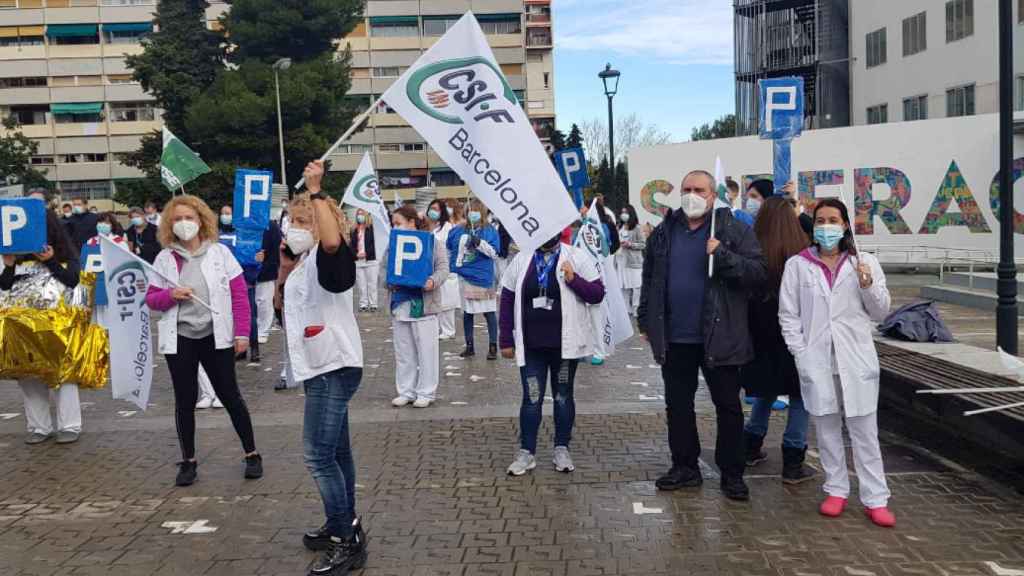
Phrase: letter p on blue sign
(782, 107)
(410, 258)
(22, 226)
(572, 167)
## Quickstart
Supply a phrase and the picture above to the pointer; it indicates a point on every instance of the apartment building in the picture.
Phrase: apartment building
(920, 59)
(63, 75)
(394, 34)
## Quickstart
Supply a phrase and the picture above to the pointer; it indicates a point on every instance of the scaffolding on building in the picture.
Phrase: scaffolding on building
(805, 38)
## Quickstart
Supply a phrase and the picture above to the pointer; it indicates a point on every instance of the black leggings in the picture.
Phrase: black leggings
(220, 367)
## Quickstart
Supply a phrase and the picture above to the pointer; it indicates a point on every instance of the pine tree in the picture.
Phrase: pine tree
(575, 137)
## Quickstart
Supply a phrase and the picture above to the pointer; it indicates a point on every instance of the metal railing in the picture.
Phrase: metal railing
(947, 259)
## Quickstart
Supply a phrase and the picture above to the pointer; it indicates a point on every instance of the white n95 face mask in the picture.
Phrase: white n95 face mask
(300, 240)
(694, 206)
(185, 230)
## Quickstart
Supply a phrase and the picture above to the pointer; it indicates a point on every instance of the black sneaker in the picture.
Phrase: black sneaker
(186, 473)
(254, 357)
(319, 539)
(793, 469)
(679, 477)
(735, 488)
(341, 556)
(492, 352)
(752, 447)
(467, 353)
(282, 384)
(253, 467)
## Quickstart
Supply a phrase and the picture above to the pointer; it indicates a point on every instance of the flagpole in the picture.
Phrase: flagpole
(351, 129)
(152, 269)
(711, 258)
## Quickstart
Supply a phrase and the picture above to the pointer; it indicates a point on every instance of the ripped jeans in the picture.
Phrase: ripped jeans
(543, 364)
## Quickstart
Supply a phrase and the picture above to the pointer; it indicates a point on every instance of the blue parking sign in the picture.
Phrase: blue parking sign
(782, 107)
(22, 226)
(410, 258)
(252, 198)
(571, 165)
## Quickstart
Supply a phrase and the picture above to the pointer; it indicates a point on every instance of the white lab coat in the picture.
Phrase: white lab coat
(813, 317)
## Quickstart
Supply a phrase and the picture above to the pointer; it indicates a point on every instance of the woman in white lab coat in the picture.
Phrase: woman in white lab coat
(438, 214)
(831, 297)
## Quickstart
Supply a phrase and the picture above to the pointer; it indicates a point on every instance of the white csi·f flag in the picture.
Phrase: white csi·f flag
(612, 324)
(456, 97)
(128, 324)
(364, 192)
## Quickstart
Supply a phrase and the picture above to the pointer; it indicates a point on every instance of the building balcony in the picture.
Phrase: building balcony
(125, 93)
(538, 2)
(80, 129)
(142, 13)
(539, 41)
(74, 51)
(22, 52)
(76, 94)
(538, 20)
(122, 50)
(132, 128)
(118, 170)
(387, 120)
(32, 130)
(84, 171)
(394, 43)
(31, 95)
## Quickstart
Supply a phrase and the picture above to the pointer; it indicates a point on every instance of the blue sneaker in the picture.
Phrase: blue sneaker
(779, 405)
(749, 400)
(596, 361)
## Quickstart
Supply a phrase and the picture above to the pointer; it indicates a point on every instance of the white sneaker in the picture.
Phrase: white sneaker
(204, 403)
(263, 339)
(562, 460)
(523, 463)
(400, 401)
(217, 404)
(421, 403)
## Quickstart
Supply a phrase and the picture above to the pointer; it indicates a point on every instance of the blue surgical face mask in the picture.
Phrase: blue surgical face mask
(828, 235)
(433, 214)
(138, 221)
(360, 219)
(753, 206)
(474, 217)
(103, 228)
(226, 219)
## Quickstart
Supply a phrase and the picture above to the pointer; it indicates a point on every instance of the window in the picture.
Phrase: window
(413, 147)
(92, 189)
(500, 24)
(29, 82)
(17, 36)
(125, 37)
(386, 71)
(959, 19)
(383, 108)
(132, 112)
(354, 149)
(547, 80)
(84, 118)
(1019, 96)
(960, 101)
(878, 114)
(389, 148)
(915, 34)
(438, 25)
(915, 108)
(876, 48)
(30, 115)
(81, 158)
(41, 160)
(127, 2)
(390, 179)
(394, 27)
(120, 79)
(446, 178)
(538, 37)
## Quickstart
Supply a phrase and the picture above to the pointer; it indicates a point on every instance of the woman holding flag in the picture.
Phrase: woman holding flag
(60, 261)
(106, 225)
(200, 289)
(367, 270)
(472, 249)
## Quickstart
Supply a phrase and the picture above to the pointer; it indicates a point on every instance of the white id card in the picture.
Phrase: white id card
(542, 303)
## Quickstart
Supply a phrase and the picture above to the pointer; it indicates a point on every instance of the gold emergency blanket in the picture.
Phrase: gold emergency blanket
(46, 331)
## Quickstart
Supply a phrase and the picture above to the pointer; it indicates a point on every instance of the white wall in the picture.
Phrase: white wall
(940, 67)
(922, 151)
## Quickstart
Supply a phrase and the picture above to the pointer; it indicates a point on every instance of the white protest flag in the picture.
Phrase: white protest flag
(364, 192)
(128, 324)
(456, 97)
(613, 323)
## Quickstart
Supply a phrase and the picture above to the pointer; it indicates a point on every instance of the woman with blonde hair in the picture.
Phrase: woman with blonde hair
(367, 271)
(472, 248)
(196, 270)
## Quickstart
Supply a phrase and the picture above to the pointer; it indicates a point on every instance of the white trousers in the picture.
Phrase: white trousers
(600, 346)
(867, 457)
(632, 298)
(264, 309)
(205, 386)
(446, 322)
(366, 281)
(37, 407)
(417, 366)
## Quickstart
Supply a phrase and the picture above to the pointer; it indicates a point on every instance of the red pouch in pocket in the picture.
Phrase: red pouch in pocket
(313, 331)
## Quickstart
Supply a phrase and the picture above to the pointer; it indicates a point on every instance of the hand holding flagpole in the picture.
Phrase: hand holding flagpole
(149, 268)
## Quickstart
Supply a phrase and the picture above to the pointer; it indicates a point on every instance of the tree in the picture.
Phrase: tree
(724, 127)
(557, 140)
(630, 133)
(575, 137)
(16, 151)
(266, 30)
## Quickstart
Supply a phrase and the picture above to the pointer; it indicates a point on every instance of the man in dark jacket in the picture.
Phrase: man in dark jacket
(82, 225)
(693, 321)
(142, 236)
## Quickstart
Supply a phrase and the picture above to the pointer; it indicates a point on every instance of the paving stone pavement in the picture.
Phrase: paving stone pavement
(436, 501)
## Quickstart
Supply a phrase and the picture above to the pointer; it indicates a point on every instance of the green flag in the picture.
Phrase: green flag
(178, 164)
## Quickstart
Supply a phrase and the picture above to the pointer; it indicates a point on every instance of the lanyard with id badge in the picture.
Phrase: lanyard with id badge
(544, 270)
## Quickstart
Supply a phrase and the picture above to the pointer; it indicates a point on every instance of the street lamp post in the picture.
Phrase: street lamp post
(282, 64)
(610, 78)
(1006, 289)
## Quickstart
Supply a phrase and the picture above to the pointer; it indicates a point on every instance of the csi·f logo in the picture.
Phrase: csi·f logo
(454, 91)
(367, 189)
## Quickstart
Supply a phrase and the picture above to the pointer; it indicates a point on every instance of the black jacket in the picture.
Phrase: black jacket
(271, 253)
(739, 270)
(773, 370)
(81, 228)
(145, 243)
(371, 250)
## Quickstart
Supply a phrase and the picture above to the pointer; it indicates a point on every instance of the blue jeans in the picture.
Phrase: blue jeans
(540, 365)
(796, 421)
(326, 447)
(492, 328)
